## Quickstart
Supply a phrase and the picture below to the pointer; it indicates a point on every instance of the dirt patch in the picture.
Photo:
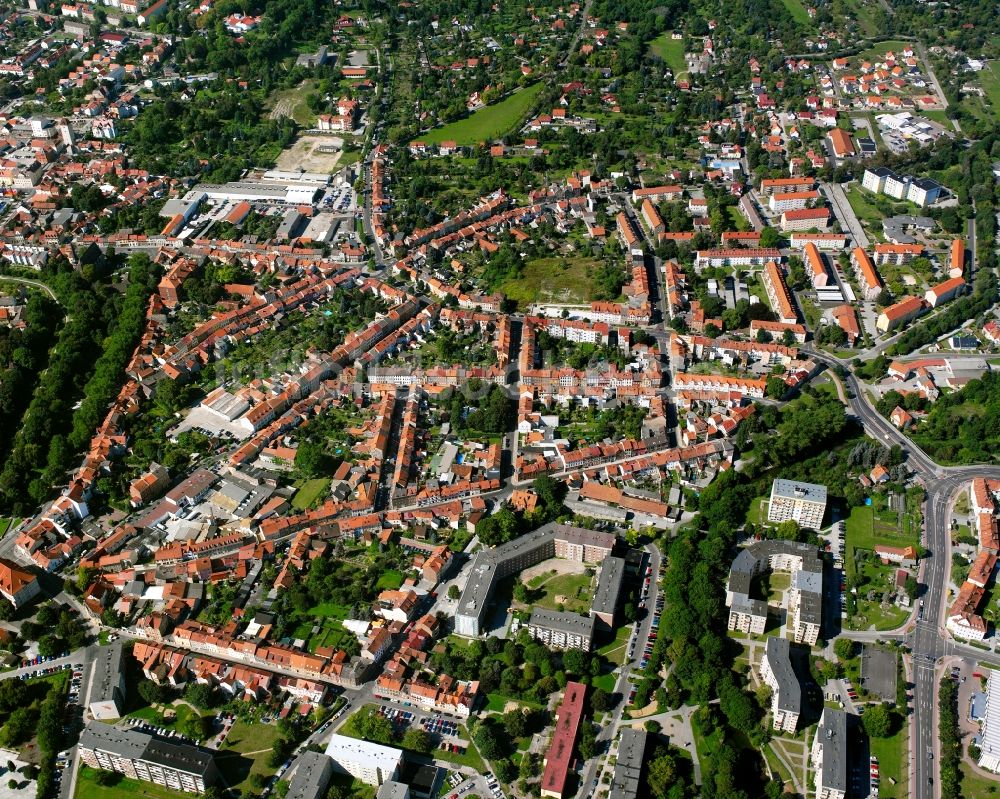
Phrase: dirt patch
(556, 565)
(311, 153)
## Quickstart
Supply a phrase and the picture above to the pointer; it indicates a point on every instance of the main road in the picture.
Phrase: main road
(929, 642)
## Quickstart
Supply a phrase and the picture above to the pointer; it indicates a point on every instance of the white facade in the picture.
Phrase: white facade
(371, 763)
(989, 747)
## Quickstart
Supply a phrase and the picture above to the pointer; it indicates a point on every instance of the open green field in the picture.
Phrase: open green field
(974, 784)
(487, 123)
(615, 650)
(563, 280)
(5, 525)
(866, 529)
(876, 51)
(671, 51)
(309, 492)
(390, 580)
(989, 79)
(798, 11)
(569, 592)
(892, 762)
(245, 752)
(124, 788)
(292, 103)
(862, 204)
(497, 702)
(330, 610)
(864, 14)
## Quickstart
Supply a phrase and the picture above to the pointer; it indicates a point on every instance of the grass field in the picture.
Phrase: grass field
(390, 580)
(866, 529)
(562, 280)
(574, 588)
(497, 702)
(671, 51)
(5, 525)
(124, 788)
(892, 759)
(292, 103)
(863, 206)
(798, 11)
(615, 650)
(245, 752)
(309, 492)
(876, 51)
(976, 785)
(989, 79)
(487, 123)
(863, 13)
(330, 610)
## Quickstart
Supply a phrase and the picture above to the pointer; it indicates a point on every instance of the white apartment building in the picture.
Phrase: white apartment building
(786, 693)
(371, 763)
(829, 755)
(804, 503)
(989, 747)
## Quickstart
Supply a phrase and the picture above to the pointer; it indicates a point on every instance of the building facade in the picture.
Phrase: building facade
(804, 503)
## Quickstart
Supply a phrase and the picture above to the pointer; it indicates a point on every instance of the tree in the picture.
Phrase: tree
(49, 646)
(601, 701)
(575, 661)
(787, 530)
(453, 592)
(312, 460)
(911, 587)
(417, 740)
(662, 774)
(878, 721)
(775, 388)
(844, 648)
(201, 696)
(197, 727)
(515, 723)
(487, 740)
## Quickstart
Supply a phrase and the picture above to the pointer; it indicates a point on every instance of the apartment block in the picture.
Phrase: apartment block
(562, 630)
(371, 763)
(786, 693)
(804, 503)
(141, 756)
(989, 746)
(829, 755)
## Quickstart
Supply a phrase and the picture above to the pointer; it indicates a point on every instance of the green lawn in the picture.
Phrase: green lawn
(892, 760)
(989, 79)
(487, 123)
(5, 525)
(309, 492)
(705, 746)
(245, 752)
(573, 589)
(671, 51)
(390, 580)
(976, 785)
(862, 205)
(605, 681)
(798, 12)
(615, 650)
(124, 788)
(876, 51)
(563, 280)
(330, 609)
(866, 529)
(497, 701)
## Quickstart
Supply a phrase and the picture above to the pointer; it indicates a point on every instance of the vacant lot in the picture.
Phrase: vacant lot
(798, 11)
(671, 51)
(562, 280)
(309, 492)
(989, 79)
(487, 123)
(311, 153)
(292, 103)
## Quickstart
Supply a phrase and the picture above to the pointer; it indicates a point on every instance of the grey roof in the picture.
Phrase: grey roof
(311, 776)
(108, 669)
(609, 586)
(795, 489)
(628, 767)
(390, 789)
(832, 735)
(571, 623)
(143, 746)
(808, 580)
(789, 695)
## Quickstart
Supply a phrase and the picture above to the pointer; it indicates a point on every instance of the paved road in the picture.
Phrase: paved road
(928, 642)
(835, 194)
(610, 726)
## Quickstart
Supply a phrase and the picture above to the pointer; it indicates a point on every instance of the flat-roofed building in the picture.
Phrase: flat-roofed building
(805, 593)
(804, 503)
(311, 774)
(609, 587)
(626, 782)
(829, 754)
(989, 746)
(107, 693)
(141, 756)
(786, 693)
(369, 762)
(393, 790)
(562, 630)
(491, 565)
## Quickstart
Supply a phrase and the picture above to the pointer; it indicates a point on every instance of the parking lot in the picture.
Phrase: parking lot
(654, 628)
(878, 672)
(444, 732)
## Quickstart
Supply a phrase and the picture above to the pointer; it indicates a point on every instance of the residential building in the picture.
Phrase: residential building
(944, 291)
(393, 790)
(806, 219)
(791, 200)
(868, 277)
(786, 693)
(841, 144)
(626, 782)
(899, 314)
(989, 745)
(559, 756)
(17, 585)
(107, 693)
(369, 762)
(898, 254)
(778, 294)
(804, 503)
(560, 630)
(609, 587)
(311, 774)
(829, 754)
(491, 565)
(804, 599)
(141, 756)
(815, 264)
